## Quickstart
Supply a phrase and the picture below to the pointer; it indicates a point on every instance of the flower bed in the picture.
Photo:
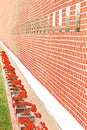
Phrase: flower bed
(28, 118)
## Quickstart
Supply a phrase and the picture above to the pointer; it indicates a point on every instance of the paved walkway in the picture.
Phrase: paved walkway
(46, 117)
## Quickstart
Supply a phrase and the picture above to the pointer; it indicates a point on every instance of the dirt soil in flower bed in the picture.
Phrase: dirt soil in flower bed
(5, 121)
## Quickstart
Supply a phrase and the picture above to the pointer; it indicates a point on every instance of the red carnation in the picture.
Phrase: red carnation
(24, 120)
(38, 115)
(33, 108)
(20, 87)
(22, 104)
(30, 126)
(43, 124)
(21, 95)
(14, 104)
(27, 112)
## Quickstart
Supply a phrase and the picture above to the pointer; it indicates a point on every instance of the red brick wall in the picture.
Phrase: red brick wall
(57, 59)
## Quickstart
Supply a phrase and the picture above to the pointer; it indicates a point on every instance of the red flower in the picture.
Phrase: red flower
(3, 53)
(30, 126)
(16, 82)
(27, 112)
(6, 62)
(12, 76)
(26, 120)
(5, 67)
(20, 120)
(14, 104)
(21, 95)
(29, 104)
(43, 124)
(38, 115)
(10, 68)
(25, 103)
(8, 77)
(46, 128)
(23, 120)
(20, 87)
(33, 108)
